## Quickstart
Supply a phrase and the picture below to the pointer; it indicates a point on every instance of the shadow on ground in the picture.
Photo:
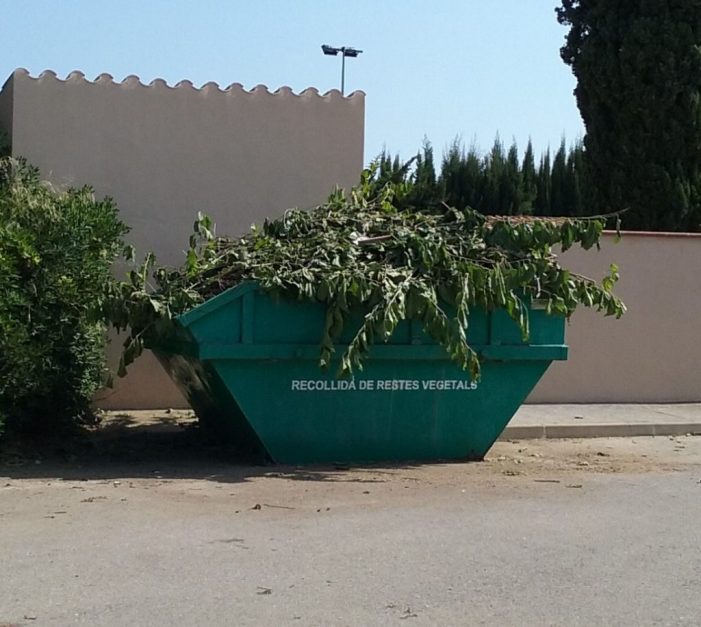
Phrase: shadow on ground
(164, 447)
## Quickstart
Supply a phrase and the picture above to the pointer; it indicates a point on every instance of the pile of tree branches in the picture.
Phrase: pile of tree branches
(367, 252)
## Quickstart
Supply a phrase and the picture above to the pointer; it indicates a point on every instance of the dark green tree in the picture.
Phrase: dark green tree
(426, 191)
(559, 201)
(512, 186)
(473, 178)
(529, 184)
(577, 183)
(497, 183)
(495, 194)
(462, 179)
(638, 70)
(542, 204)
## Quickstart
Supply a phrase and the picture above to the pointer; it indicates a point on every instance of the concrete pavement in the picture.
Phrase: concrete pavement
(549, 421)
(604, 420)
(545, 532)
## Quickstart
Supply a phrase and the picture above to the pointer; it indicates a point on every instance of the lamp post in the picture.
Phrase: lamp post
(346, 51)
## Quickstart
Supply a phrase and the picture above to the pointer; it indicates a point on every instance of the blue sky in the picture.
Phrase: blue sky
(442, 69)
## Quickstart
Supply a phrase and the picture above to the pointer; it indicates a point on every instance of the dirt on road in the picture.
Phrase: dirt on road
(165, 450)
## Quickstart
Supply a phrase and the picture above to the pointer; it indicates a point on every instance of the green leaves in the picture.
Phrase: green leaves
(56, 255)
(365, 257)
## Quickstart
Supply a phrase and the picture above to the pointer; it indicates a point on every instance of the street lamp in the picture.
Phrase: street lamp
(346, 51)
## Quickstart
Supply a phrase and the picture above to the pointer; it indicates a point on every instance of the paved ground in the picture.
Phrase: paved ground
(603, 420)
(147, 529)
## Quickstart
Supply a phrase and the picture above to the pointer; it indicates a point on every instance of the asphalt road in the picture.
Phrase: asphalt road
(602, 532)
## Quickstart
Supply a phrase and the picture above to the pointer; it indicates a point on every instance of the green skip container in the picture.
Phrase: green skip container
(248, 365)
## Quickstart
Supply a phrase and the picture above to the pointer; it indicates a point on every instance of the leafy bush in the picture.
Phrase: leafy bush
(56, 253)
(369, 252)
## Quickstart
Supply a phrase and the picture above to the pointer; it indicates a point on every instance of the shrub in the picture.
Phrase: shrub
(56, 253)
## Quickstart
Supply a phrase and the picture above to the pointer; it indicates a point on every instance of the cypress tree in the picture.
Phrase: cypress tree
(559, 201)
(496, 183)
(474, 178)
(584, 180)
(542, 205)
(451, 181)
(512, 183)
(575, 182)
(529, 184)
(425, 191)
(494, 166)
(638, 70)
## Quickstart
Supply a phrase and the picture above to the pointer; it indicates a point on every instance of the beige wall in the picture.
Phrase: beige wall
(164, 153)
(653, 353)
(6, 109)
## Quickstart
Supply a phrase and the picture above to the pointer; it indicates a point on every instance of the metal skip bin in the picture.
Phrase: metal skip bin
(248, 364)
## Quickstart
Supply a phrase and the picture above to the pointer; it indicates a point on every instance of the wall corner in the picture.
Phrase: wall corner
(6, 115)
